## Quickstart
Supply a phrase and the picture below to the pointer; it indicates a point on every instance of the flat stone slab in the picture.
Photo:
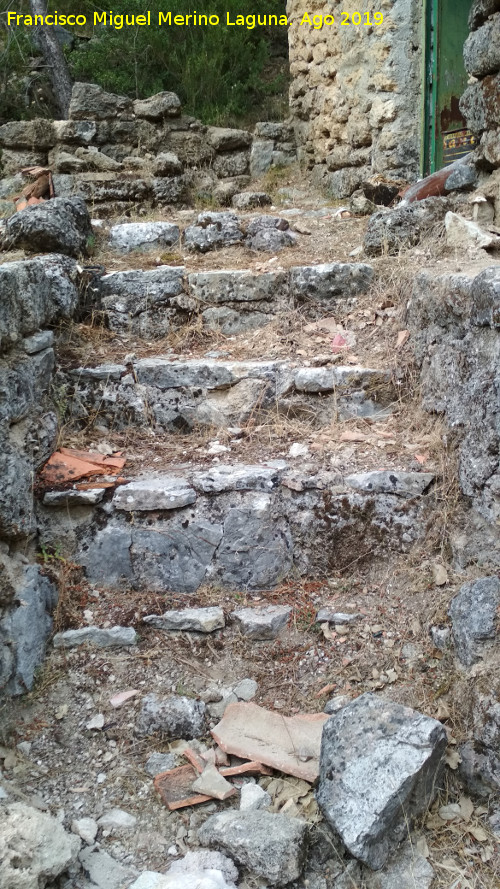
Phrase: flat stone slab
(330, 280)
(474, 617)
(213, 784)
(269, 845)
(102, 638)
(262, 623)
(289, 744)
(237, 477)
(380, 767)
(327, 379)
(150, 494)
(198, 620)
(405, 484)
(143, 236)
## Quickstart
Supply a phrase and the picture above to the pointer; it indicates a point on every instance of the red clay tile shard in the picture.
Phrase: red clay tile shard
(289, 744)
(67, 465)
(195, 759)
(175, 788)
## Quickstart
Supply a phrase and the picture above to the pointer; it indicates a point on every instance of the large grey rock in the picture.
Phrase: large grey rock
(111, 637)
(174, 556)
(28, 133)
(462, 177)
(231, 163)
(212, 231)
(35, 848)
(167, 164)
(261, 157)
(141, 297)
(61, 225)
(149, 494)
(271, 846)
(16, 492)
(256, 550)
(214, 288)
(405, 484)
(91, 102)
(193, 879)
(326, 282)
(25, 628)
(197, 620)
(391, 231)
(262, 623)
(249, 200)
(34, 294)
(269, 233)
(172, 717)
(159, 106)
(225, 139)
(328, 379)
(480, 10)
(104, 871)
(170, 189)
(198, 372)
(406, 869)
(482, 48)
(474, 617)
(463, 233)
(143, 236)
(480, 769)
(380, 767)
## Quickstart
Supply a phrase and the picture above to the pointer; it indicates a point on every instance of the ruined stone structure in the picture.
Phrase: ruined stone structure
(372, 99)
(355, 92)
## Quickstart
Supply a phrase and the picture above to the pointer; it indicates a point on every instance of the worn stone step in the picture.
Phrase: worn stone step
(244, 526)
(178, 395)
(152, 302)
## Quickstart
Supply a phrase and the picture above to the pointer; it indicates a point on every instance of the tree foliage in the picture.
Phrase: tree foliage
(220, 72)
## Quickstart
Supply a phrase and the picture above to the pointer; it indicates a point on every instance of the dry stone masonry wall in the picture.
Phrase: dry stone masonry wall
(115, 152)
(355, 92)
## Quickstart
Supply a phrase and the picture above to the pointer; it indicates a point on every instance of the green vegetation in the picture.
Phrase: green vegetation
(221, 73)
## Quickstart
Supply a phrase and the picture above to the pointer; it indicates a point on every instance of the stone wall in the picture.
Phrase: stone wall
(115, 152)
(34, 295)
(455, 326)
(480, 104)
(356, 92)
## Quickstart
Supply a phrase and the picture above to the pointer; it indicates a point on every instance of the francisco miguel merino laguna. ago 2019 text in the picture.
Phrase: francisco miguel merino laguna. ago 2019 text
(195, 19)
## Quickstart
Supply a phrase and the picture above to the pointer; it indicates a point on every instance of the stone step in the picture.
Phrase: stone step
(243, 526)
(179, 395)
(150, 303)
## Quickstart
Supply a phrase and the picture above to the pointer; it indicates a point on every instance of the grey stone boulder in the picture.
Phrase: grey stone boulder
(261, 157)
(474, 617)
(406, 869)
(167, 164)
(25, 627)
(159, 106)
(170, 189)
(380, 767)
(61, 225)
(249, 200)
(143, 236)
(269, 233)
(151, 494)
(404, 484)
(262, 623)
(271, 846)
(328, 281)
(479, 769)
(172, 717)
(225, 139)
(91, 102)
(35, 848)
(238, 286)
(39, 133)
(137, 294)
(112, 637)
(463, 177)
(231, 163)
(197, 620)
(480, 11)
(482, 48)
(389, 232)
(236, 477)
(212, 231)
(254, 797)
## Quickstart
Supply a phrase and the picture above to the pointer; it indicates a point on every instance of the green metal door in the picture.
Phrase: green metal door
(446, 136)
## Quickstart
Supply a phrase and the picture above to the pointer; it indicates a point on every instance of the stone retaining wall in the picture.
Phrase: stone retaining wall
(115, 151)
